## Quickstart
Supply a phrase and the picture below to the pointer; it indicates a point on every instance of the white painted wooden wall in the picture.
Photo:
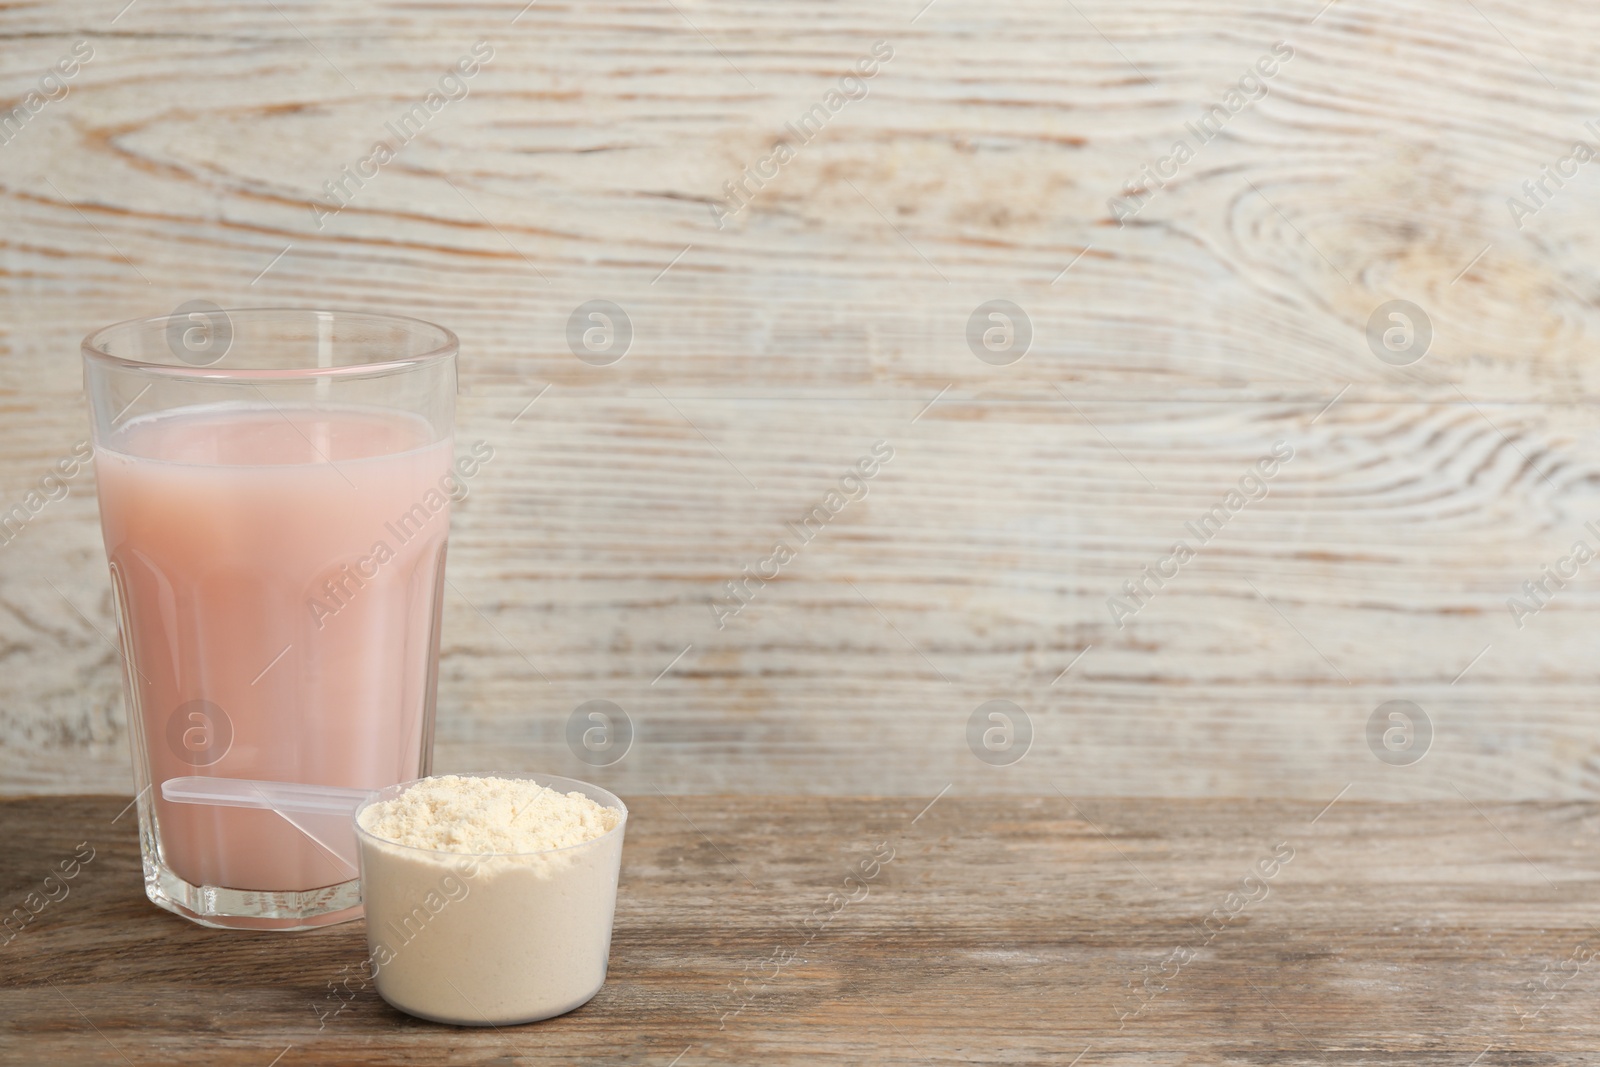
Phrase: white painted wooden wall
(979, 163)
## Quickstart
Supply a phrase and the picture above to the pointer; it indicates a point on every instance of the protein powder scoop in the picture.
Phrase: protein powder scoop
(489, 900)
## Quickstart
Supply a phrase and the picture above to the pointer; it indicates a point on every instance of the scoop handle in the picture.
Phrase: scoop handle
(281, 797)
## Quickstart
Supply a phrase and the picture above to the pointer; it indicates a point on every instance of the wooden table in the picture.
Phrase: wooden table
(1004, 930)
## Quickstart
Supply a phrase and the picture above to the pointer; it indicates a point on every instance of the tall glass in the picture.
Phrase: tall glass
(275, 489)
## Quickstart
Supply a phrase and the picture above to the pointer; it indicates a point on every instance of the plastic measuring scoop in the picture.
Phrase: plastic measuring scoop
(324, 813)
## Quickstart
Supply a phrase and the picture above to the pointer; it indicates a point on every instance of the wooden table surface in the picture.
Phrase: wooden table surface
(1003, 930)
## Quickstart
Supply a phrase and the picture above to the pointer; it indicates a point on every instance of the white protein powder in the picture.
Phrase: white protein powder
(489, 900)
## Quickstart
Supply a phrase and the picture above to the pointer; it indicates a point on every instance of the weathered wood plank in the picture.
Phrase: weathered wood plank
(1003, 930)
(828, 315)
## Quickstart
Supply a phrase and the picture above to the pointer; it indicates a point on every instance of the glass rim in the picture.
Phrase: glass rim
(588, 788)
(445, 348)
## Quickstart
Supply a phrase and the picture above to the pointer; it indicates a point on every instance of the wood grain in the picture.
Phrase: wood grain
(1002, 931)
(830, 314)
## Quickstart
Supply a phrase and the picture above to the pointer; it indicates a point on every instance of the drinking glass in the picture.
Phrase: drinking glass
(275, 489)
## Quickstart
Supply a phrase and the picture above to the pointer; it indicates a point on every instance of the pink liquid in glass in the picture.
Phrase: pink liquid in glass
(278, 576)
